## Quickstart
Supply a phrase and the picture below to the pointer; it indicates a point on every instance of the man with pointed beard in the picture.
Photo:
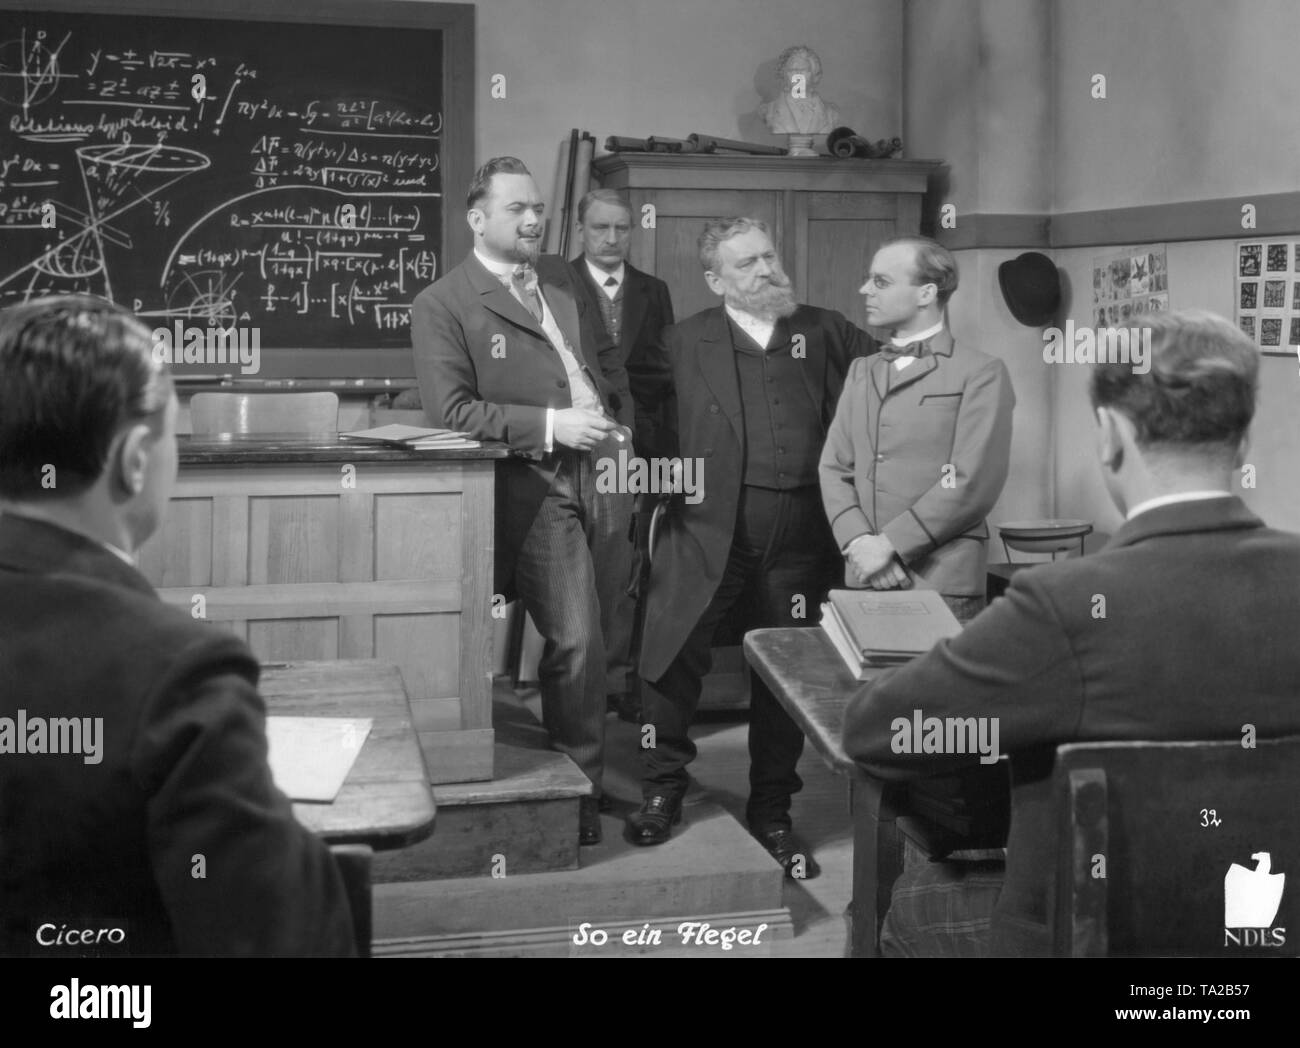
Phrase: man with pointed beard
(755, 382)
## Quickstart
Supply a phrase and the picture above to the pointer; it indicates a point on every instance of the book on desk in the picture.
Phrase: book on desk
(398, 435)
(874, 629)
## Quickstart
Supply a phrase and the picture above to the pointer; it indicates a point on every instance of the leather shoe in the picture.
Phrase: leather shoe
(785, 848)
(588, 820)
(626, 705)
(653, 823)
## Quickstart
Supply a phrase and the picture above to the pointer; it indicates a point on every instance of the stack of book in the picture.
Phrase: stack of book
(418, 438)
(872, 629)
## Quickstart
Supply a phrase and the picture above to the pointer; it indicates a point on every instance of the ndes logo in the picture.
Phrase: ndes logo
(1251, 899)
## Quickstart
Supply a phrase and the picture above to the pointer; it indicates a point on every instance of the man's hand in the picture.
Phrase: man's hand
(581, 429)
(893, 577)
(870, 555)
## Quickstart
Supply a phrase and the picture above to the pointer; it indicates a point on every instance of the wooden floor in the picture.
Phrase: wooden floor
(820, 813)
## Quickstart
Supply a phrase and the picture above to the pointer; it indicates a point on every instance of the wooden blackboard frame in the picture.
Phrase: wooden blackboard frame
(456, 22)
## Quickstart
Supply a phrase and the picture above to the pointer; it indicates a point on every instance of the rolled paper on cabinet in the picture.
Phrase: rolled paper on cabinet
(709, 143)
(619, 144)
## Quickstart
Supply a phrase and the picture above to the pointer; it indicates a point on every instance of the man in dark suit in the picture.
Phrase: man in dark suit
(634, 308)
(135, 797)
(1182, 627)
(505, 350)
(756, 382)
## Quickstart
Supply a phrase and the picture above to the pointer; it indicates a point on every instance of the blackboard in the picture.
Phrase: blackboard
(274, 170)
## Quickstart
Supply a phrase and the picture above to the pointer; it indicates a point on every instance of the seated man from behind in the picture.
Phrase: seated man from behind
(1197, 637)
(135, 794)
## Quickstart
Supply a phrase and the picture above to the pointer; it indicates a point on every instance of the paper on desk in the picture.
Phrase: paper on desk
(310, 757)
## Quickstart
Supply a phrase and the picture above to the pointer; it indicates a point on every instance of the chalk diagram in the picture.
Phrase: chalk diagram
(29, 73)
(117, 179)
(342, 239)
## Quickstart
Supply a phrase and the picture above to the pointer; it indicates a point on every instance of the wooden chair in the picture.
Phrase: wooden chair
(354, 861)
(307, 414)
(1149, 833)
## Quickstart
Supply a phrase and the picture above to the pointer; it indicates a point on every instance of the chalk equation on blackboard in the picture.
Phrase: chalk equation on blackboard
(222, 183)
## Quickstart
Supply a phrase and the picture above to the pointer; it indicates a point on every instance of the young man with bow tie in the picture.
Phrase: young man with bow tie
(506, 351)
(919, 448)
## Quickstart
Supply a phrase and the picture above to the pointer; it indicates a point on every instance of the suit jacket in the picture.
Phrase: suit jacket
(1202, 608)
(647, 310)
(693, 543)
(882, 470)
(182, 772)
(485, 367)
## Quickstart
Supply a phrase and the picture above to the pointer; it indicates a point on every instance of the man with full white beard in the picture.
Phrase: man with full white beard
(755, 381)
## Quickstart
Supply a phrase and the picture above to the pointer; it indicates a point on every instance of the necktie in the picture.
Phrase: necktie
(611, 282)
(911, 349)
(524, 279)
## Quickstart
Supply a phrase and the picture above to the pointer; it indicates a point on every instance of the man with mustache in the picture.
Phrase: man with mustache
(635, 308)
(755, 381)
(506, 351)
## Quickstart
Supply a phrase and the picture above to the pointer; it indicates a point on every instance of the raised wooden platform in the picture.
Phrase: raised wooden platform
(523, 821)
(711, 870)
(503, 875)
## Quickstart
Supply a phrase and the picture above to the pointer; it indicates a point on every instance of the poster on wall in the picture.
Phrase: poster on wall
(1129, 283)
(1268, 294)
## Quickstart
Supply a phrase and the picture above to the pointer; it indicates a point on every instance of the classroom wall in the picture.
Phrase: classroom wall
(974, 74)
(1197, 103)
(671, 67)
(1195, 110)
(1200, 100)
(973, 98)
(1200, 276)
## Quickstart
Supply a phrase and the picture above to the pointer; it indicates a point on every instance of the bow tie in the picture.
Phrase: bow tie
(920, 348)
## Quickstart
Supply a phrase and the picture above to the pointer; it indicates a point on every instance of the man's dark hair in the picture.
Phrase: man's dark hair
(74, 370)
(1199, 394)
(481, 187)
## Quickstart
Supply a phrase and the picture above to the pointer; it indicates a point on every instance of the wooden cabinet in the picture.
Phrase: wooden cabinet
(827, 216)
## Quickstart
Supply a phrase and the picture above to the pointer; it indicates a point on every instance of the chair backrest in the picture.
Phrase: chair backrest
(354, 862)
(306, 414)
(1178, 848)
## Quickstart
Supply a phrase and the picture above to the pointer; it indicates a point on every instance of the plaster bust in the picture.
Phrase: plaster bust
(799, 109)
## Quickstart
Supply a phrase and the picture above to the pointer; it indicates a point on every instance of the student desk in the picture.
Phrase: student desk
(330, 549)
(811, 682)
(386, 801)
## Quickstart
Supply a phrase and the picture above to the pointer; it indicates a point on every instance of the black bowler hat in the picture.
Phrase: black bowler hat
(1032, 287)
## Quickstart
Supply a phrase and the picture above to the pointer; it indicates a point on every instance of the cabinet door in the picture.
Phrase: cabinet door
(840, 233)
(670, 250)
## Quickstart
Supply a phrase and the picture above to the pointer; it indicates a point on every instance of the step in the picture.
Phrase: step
(710, 870)
(526, 818)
